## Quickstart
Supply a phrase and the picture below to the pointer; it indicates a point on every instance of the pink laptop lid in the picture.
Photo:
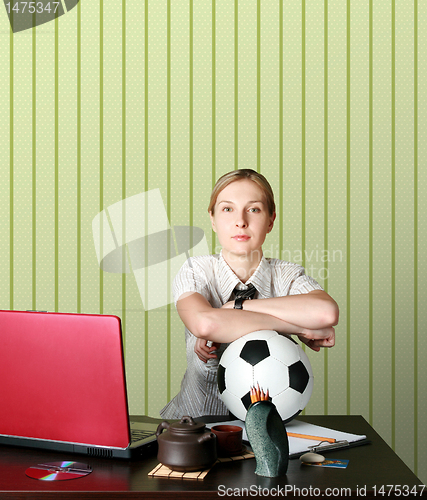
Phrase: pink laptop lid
(62, 378)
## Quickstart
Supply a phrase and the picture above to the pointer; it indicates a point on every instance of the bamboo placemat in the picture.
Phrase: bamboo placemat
(162, 471)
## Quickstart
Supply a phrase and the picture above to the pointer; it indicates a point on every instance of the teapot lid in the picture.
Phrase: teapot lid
(187, 425)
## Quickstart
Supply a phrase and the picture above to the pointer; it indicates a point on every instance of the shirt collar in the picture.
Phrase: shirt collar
(228, 281)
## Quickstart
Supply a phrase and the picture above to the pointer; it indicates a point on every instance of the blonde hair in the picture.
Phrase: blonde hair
(237, 175)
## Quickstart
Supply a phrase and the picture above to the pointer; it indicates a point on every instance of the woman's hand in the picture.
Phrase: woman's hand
(315, 339)
(204, 351)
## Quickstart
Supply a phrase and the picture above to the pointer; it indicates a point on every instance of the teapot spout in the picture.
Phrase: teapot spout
(207, 436)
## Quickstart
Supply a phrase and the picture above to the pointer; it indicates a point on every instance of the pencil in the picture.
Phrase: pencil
(313, 438)
(257, 394)
(252, 395)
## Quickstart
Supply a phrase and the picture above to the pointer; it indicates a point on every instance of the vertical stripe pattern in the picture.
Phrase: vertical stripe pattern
(415, 313)
(348, 206)
(325, 188)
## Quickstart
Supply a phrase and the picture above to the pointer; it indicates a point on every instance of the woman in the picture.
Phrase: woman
(206, 292)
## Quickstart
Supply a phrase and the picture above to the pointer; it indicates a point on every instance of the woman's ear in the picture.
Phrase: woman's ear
(212, 221)
(272, 219)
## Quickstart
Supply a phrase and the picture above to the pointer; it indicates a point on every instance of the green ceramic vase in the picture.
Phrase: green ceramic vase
(268, 439)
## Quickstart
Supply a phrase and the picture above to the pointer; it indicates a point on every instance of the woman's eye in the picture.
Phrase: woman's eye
(255, 210)
(227, 209)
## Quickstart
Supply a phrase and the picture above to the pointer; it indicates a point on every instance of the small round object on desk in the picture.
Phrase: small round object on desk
(312, 458)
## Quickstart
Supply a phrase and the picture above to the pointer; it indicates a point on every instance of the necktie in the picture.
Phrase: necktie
(241, 295)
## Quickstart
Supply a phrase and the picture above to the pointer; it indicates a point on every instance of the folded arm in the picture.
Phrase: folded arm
(227, 324)
(312, 310)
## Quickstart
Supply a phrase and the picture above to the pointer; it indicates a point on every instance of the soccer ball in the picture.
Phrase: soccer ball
(273, 361)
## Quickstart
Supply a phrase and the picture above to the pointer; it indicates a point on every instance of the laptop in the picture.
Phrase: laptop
(63, 386)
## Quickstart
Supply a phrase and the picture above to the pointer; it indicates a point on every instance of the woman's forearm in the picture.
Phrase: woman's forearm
(314, 310)
(226, 325)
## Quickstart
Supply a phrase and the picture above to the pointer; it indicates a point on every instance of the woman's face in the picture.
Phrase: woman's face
(241, 219)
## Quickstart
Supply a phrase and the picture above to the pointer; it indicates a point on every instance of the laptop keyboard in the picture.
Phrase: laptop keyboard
(137, 435)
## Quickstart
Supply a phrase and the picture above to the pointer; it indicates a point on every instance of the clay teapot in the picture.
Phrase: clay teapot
(186, 446)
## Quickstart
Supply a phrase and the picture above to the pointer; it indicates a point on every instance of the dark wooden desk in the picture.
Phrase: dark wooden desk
(370, 467)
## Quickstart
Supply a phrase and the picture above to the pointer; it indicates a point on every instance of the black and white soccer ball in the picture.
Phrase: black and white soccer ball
(273, 361)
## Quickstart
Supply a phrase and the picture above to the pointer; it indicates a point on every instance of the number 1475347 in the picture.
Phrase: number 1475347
(32, 7)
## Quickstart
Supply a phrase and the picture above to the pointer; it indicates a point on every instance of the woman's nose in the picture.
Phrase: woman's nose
(241, 221)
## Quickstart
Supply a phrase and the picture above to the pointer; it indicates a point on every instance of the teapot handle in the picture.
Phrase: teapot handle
(163, 425)
(187, 420)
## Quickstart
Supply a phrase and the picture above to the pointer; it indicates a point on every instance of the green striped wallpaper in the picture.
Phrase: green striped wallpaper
(327, 98)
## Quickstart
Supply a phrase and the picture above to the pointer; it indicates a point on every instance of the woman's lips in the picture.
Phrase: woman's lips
(241, 237)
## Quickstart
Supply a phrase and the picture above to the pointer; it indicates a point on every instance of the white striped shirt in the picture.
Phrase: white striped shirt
(212, 277)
